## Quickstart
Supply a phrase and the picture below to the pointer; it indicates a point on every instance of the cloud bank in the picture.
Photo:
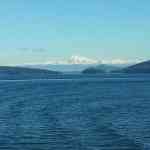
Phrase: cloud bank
(82, 60)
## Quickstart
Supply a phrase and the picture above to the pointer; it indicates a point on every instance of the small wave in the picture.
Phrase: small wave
(146, 146)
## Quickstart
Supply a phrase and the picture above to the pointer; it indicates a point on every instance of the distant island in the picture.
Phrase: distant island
(93, 70)
(99, 69)
(143, 67)
(9, 73)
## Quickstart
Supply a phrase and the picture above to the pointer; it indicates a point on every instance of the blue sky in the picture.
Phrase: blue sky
(37, 31)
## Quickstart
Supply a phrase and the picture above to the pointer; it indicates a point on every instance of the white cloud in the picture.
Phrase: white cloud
(119, 61)
(76, 59)
(81, 60)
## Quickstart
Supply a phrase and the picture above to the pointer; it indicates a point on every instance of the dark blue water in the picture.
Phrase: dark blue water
(76, 112)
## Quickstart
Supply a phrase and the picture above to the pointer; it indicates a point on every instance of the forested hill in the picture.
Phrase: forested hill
(8, 73)
(143, 67)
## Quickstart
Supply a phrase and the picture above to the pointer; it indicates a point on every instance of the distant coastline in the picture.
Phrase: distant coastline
(143, 67)
(10, 73)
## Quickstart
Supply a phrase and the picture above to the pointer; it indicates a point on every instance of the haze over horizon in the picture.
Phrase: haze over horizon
(82, 60)
(95, 31)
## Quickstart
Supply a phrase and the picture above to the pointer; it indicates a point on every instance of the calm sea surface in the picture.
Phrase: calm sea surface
(76, 112)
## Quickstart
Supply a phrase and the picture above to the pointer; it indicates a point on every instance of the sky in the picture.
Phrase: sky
(35, 31)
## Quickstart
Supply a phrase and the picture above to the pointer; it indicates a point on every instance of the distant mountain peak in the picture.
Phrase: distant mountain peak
(76, 59)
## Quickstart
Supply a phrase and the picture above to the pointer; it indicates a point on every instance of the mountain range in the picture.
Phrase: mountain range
(143, 67)
(44, 72)
(76, 68)
(16, 73)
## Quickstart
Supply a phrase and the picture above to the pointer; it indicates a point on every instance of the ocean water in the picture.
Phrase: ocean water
(76, 112)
